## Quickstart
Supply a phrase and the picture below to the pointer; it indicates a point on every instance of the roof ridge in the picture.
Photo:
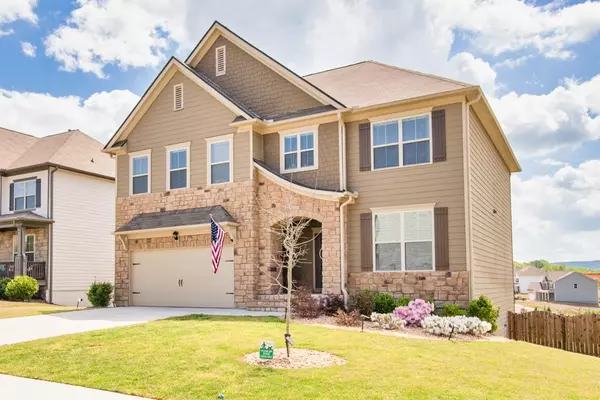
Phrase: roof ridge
(442, 78)
(62, 145)
(338, 67)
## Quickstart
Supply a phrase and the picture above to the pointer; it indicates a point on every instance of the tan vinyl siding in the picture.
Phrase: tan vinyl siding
(441, 183)
(258, 146)
(327, 176)
(254, 84)
(491, 233)
(202, 117)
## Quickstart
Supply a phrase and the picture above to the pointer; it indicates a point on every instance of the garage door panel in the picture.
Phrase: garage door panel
(182, 278)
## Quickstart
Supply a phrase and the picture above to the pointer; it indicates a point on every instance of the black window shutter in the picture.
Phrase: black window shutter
(366, 242)
(11, 201)
(438, 129)
(364, 146)
(38, 193)
(442, 247)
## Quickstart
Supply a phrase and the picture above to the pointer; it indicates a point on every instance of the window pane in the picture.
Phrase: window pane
(140, 184)
(307, 158)
(307, 141)
(408, 129)
(219, 173)
(14, 244)
(219, 152)
(178, 159)
(378, 135)
(140, 165)
(419, 256)
(30, 188)
(179, 179)
(29, 243)
(20, 203)
(387, 157)
(422, 128)
(30, 202)
(418, 225)
(385, 133)
(291, 161)
(30, 257)
(290, 143)
(387, 227)
(416, 153)
(19, 189)
(388, 257)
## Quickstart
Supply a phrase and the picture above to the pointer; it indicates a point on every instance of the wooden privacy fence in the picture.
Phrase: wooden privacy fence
(579, 334)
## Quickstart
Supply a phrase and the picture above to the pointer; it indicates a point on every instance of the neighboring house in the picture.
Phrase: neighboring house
(526, 276)
(405, 176)
(56, 212)
(563, 286)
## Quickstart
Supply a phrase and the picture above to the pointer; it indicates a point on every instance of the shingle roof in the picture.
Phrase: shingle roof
(14, 144)
(290, 178)
(371, 83)
(530, 271)
(24, 216)
(73, 149)
(176, 218)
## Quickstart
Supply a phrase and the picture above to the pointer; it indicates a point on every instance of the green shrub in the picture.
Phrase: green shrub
(483, 309)
(3, 283)
(403, 301)
(100, 294)
(452, 310)
(383, 303)
(21, 288)
(363, 301)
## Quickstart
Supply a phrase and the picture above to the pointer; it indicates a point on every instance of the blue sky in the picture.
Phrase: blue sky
(535, 60)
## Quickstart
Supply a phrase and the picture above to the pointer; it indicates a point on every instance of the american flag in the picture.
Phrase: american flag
(217, 234)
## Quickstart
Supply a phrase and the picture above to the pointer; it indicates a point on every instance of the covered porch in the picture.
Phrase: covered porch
(24, 241)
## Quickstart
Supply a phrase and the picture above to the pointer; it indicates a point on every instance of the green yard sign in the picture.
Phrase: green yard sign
(266, 350)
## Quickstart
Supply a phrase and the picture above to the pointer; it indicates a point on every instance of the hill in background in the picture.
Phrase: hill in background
(581, 264)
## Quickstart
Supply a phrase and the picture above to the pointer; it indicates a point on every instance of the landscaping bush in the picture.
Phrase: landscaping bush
(483, 309)
(348, 319)
(3, 283)
(383, 303)
(21, 288)
(452, 310)
(415, 312)
(363, 301)
(388, 321)
(100, 294)
(403, 301)
(446, 326)
(331, 303)
(304, 305)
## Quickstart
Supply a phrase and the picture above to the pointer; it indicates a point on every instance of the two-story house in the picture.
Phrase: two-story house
(405, 178)
(56, 212)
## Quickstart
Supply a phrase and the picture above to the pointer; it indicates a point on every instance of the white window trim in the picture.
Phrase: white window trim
(402, 210)
(14, 199)
(176, 147)
(401, 143)
(217, 72)
(138, 154)
(179, 85)
(209, 142)
(15, 237)
(297, 132)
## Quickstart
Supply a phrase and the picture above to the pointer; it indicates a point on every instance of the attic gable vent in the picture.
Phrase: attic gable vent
(221, 60)
(178, 97)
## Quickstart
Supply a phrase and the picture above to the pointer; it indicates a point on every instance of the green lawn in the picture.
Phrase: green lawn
(200, 357)
(11, 309)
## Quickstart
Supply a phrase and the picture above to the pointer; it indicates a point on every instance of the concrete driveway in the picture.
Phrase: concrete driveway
(24, 329)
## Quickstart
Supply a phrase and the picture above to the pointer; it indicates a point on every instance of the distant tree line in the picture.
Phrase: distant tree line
(547, 266)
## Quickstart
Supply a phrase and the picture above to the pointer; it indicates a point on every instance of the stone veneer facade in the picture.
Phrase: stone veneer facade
(41, 244)
(255, 205)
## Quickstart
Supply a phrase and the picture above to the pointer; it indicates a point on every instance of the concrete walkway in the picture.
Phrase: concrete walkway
(15, 388)
(24, 329)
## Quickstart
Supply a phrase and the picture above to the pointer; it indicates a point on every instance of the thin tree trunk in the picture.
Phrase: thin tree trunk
(288, 316)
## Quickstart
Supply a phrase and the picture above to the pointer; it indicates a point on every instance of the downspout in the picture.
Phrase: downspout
(50, 206)
(343, 250)
(468, 205)
(341, 149)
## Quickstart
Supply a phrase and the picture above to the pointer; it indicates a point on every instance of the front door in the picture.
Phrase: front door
(318, 264)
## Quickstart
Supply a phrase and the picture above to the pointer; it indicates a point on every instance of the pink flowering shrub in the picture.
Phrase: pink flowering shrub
(415, 312)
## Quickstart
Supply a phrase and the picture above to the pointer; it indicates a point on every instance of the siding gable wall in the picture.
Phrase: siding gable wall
(254, 84)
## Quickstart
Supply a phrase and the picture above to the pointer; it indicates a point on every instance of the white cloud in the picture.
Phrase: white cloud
(42, 114)
(553, 163)
(14, 10)
(513, 62)
(557, 217)
(28, 49)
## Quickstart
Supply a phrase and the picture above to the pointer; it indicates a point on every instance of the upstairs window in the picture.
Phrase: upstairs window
(402, 142)
(178, 162)
(299, 151)
(24, 197)
(140, 175)
(178, 97)
(220, 60)
(220, 160)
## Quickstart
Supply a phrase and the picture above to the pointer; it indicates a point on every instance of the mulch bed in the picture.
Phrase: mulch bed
(299, 358)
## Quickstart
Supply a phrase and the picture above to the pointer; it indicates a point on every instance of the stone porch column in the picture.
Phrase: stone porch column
(20, 267)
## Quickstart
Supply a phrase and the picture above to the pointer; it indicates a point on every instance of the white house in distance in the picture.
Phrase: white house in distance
(559, 286)
(526, 276)
(57, 212)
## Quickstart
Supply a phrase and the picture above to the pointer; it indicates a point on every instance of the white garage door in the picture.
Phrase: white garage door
(182, 278)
